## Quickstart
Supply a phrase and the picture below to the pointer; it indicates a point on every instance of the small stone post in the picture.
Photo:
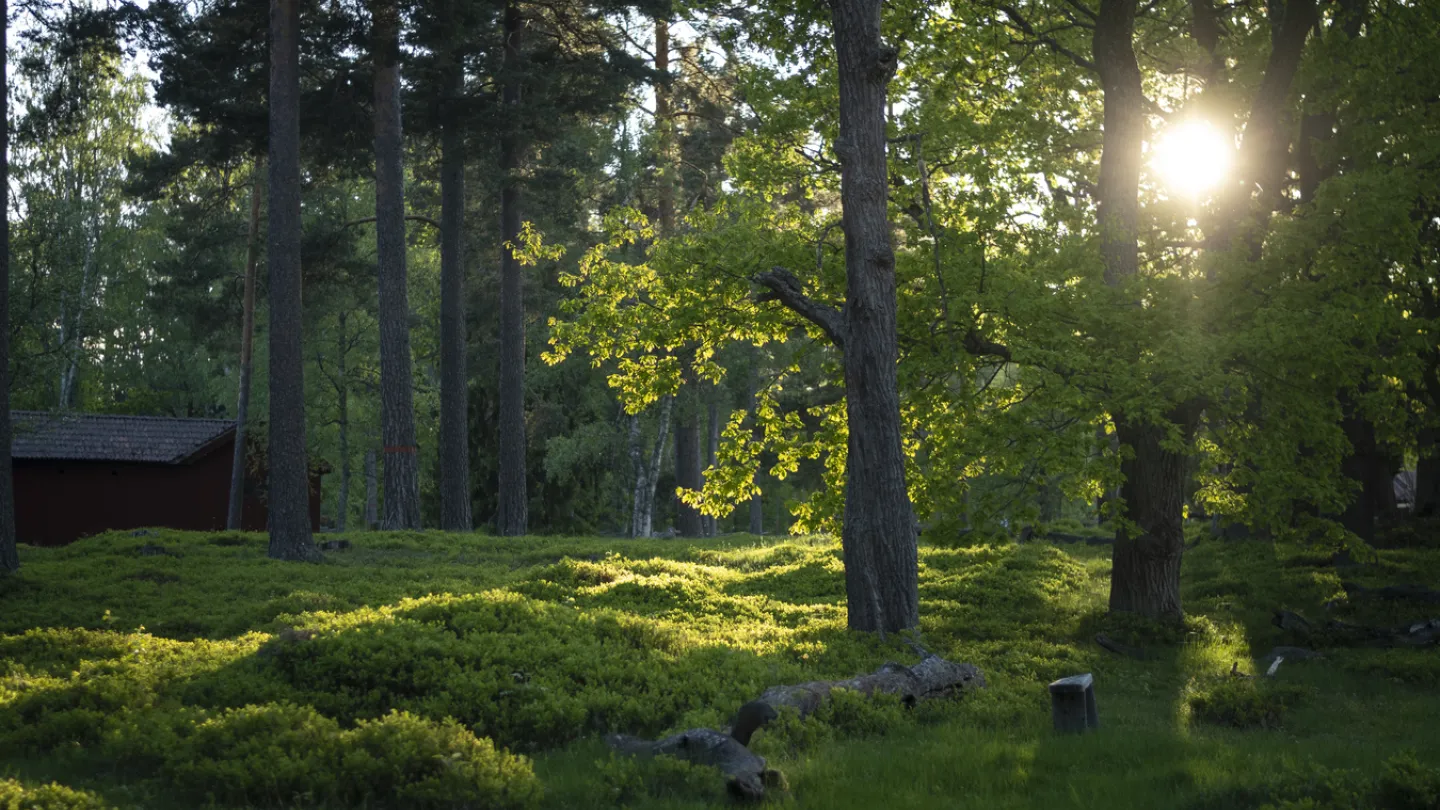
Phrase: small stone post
(1072, 703)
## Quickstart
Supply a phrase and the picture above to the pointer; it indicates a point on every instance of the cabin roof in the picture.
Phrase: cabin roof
(61, 435)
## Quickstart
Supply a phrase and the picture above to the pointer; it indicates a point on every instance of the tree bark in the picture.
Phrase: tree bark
(712, 453)
(647, 477)
(342, 386)
(687, 459)
(454, 412)
(637, 468)
(1359, 466)
(1149, 543)
(247, 352)
(1427, 473)
(878, 539)
(688, 520)
(372, 510)
(9, 554)
(289, 489)
(397, 408)
(1262, 162)
(513, 516)
(664, 159)
(757, 505)
(71, 328)
(1121, 154)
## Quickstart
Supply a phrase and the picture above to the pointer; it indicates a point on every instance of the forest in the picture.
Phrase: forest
(768, 342)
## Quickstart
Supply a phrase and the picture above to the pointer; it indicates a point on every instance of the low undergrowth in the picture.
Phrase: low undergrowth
(432, 671)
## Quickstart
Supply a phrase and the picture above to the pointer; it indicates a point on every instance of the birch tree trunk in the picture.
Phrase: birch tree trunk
(72, 327)
(647, 476)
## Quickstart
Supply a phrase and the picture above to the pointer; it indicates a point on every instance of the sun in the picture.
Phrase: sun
(1191, 157)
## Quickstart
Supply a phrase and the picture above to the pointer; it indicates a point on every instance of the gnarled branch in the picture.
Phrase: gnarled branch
(980, 346)
(782, 285)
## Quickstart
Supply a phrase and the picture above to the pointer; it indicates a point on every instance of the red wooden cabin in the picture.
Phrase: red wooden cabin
(78, 474)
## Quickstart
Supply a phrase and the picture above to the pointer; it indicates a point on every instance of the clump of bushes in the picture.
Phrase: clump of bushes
(1241, 702)
(16, 795)
(279, 754)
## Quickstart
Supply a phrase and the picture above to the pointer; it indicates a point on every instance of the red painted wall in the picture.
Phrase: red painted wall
(57, 502)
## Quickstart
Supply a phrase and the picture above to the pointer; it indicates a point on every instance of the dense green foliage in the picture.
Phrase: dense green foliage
(1312, 353)
(381, 677)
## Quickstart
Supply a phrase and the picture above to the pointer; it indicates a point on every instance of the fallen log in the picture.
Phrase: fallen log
(932, 677)
(746, 773)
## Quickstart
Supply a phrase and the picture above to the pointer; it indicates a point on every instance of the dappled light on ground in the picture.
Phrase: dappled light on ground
(119, 685)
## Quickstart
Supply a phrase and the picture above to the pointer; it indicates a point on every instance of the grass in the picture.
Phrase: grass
(181, 679)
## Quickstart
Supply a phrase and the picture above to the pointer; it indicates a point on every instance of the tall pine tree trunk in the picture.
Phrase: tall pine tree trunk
(688, 521)
(881, 563)
(9, 555)
(397, 408)
(289, 489)
(233, 517)
(513, 516)
(372, 506)
(454, 413)
(342, 392)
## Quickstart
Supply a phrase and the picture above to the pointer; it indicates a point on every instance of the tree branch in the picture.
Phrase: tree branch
(980, 346)
(783, 286)
(411, 217)
(1046, 37)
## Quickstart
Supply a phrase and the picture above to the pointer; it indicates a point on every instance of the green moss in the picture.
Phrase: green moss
(173, 681)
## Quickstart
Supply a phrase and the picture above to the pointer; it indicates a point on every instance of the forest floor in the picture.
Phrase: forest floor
(124, 660)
